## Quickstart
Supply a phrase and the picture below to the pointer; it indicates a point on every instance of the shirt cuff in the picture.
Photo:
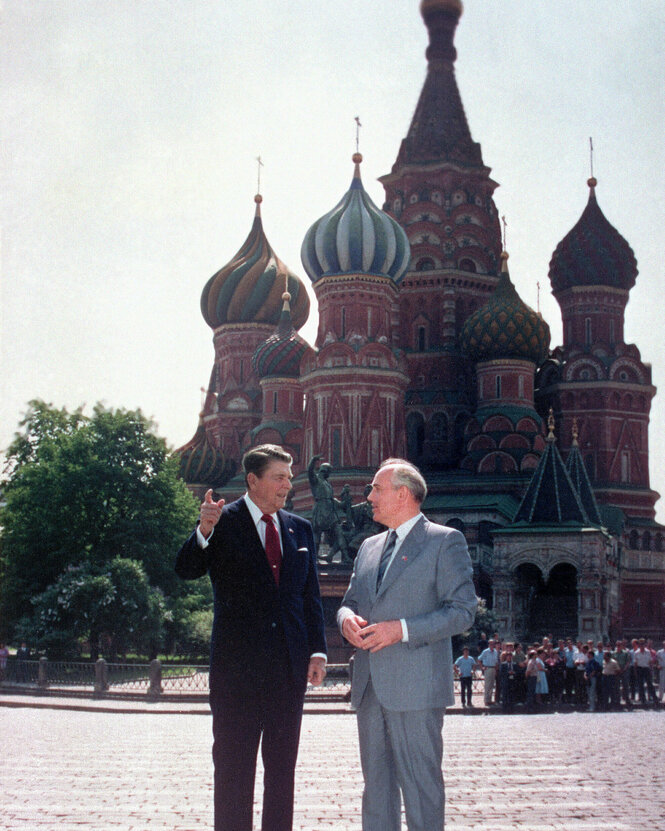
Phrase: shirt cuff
(202, 541)
(405, 630)
(319, 655)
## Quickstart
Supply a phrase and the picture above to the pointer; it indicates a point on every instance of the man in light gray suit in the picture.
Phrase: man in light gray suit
(410, 591)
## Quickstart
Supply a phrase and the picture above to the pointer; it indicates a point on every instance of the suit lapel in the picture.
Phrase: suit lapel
(249, 536)
(374, 558)
(289, 548)
(409, 551)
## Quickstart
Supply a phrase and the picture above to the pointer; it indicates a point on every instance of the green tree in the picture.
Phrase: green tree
(115, 609)
(485, 621)
(84, 491)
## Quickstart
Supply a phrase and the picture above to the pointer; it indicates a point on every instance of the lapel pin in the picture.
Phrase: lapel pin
(405, 558)
(291, 531)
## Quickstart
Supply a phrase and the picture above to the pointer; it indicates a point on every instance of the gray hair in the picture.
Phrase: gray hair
(404, 473)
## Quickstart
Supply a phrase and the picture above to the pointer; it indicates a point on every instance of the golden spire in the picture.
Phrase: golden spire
(592, 181)
(576, 433)
(550, 426)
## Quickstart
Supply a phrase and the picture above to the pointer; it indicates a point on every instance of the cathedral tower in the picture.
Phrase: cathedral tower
(595, 376)
(242, 303)
(354, 385)
(440, 191)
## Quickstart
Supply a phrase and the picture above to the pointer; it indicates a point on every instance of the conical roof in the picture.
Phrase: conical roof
(593, 253)
(281, 353)
(439, 130)
(505, 327)
(580, 478)
(248, 289)
(551, 497)
(356, 237)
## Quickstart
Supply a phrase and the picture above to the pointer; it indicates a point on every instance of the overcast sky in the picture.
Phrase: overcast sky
(130, 131)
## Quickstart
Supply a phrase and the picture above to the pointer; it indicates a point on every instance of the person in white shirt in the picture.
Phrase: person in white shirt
(643, 660)
(489, 660)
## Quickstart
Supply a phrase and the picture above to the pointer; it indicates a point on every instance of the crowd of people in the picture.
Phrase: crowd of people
(564, 674)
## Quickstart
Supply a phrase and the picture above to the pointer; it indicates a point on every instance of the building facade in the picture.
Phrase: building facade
(425, 350)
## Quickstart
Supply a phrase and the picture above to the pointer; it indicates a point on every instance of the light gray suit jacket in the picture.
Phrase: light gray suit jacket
(430, 585)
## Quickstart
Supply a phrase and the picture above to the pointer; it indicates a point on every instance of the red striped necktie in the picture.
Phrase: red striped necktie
(273, 550)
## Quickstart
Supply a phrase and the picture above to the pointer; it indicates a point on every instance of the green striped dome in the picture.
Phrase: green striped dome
(505, 327)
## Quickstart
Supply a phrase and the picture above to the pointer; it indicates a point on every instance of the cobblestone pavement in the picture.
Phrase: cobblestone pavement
(63, 770)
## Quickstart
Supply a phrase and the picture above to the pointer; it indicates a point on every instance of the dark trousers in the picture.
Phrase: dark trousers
(624, 682)
(506, 689)
(465, 687)
(269, 713)
(644, 678)
(609, 691)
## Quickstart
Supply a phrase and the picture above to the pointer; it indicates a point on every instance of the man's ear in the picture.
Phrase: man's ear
(251, 480)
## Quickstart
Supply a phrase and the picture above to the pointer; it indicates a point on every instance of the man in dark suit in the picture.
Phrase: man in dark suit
(267, 640)
(410, 591)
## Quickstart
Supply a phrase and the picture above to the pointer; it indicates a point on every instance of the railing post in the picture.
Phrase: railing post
(155, 676)
(101, 676)
(42, 674)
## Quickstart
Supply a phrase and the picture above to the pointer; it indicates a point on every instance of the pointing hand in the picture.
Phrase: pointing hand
(211, 511)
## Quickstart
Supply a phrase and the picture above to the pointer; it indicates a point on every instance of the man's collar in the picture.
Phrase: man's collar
(403, 529)
(255, 511)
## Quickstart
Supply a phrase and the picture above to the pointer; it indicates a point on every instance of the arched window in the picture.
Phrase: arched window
(336, 446)
(425, 264)
(422, 339)
(415, 436)
(456, 523)
(467, 265)
(625, 466)
(587, 331)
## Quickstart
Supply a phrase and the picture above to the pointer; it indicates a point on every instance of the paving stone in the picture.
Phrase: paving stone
(151, 771)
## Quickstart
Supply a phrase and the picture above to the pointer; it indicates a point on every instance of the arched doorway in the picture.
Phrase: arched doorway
(546, 607)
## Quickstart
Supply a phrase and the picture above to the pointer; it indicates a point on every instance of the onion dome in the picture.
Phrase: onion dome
(593, 253)
(281, 353)
(356, 237)
(249, 288)
(201, 462)
(505, 327)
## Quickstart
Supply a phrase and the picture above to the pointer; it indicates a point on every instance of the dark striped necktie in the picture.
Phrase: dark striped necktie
(386, 555)
(273, 548)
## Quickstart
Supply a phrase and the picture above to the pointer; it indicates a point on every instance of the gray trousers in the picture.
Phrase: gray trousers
(401, 750)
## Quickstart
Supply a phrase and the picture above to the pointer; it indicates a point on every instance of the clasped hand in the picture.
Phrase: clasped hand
(371, 636)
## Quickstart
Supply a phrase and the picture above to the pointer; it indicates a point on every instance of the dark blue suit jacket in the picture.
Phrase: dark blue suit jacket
(257, 622)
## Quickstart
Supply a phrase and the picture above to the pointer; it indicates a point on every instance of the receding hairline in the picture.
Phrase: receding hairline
(407, 474)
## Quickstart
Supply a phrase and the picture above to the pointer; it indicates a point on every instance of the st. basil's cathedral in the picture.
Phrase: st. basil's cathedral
(425, 350)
